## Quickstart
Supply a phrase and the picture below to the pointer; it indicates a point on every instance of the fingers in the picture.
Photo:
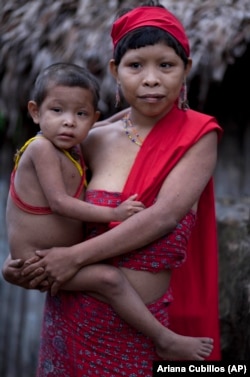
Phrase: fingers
(134, 208)
(39, 281)
(132, 197)
(32, 271)
(54, 288)
(44, 286)
(16, 263)
(41, 253)
(137, 207)
(32, 260)
(134, 202)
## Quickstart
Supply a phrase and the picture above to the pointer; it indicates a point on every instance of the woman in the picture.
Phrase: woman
(167, 154)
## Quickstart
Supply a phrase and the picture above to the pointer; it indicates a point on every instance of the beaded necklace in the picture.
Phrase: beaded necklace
(131, 131)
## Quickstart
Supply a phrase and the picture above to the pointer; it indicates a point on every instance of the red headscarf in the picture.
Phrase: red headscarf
(150, 16)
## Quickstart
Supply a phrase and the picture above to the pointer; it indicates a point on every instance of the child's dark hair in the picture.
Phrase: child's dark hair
(65, 74)
(146, 36)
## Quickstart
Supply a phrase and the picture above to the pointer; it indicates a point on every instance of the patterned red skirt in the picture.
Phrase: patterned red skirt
(83, 337)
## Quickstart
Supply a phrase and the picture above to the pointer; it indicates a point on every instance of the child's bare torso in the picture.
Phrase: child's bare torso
(28, 232)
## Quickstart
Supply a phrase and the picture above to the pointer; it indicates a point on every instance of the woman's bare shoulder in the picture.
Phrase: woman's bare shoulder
(113, 118)
(103, 132)
(101, 137)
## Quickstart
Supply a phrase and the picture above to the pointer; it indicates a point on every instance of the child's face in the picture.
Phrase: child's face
(151, 78)
(65, 116)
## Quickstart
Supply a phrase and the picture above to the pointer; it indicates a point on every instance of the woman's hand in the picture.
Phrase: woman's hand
(12, 273)
(58, 265)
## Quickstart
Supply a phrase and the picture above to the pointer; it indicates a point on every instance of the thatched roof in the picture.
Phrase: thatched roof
(34, 34)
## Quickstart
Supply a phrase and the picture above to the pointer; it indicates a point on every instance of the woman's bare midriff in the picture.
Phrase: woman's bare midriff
(150, 286)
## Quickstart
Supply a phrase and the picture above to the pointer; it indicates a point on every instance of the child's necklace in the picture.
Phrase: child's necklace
(131, 131)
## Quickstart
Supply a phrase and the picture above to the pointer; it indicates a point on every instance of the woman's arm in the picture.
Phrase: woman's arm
(180, 191)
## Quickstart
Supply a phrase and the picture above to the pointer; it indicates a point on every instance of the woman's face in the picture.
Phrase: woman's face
(151, 78)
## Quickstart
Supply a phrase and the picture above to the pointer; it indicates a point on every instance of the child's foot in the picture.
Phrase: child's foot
(180, 347)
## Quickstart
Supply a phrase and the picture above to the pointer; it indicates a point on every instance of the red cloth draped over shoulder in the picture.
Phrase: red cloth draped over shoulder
(194, 311)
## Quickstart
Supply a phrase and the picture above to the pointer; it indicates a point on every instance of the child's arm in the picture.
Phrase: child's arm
(80, 210)
(48, 168)
(126, 209)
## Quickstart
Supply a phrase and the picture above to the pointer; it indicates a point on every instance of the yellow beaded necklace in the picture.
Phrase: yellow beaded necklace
(131, 131)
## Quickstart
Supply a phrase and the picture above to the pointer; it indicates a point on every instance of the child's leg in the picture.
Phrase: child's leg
(109, 284)
(112, 286)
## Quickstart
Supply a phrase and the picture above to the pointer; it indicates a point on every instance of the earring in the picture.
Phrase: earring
(183, 101)
(117, 96)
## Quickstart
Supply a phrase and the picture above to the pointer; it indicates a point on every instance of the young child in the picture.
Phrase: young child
(49, 173)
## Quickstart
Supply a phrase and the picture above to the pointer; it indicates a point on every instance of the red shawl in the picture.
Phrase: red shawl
(194, 311)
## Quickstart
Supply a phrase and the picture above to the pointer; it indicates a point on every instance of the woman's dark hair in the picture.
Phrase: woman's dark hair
(146, 36)
(65, 74)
